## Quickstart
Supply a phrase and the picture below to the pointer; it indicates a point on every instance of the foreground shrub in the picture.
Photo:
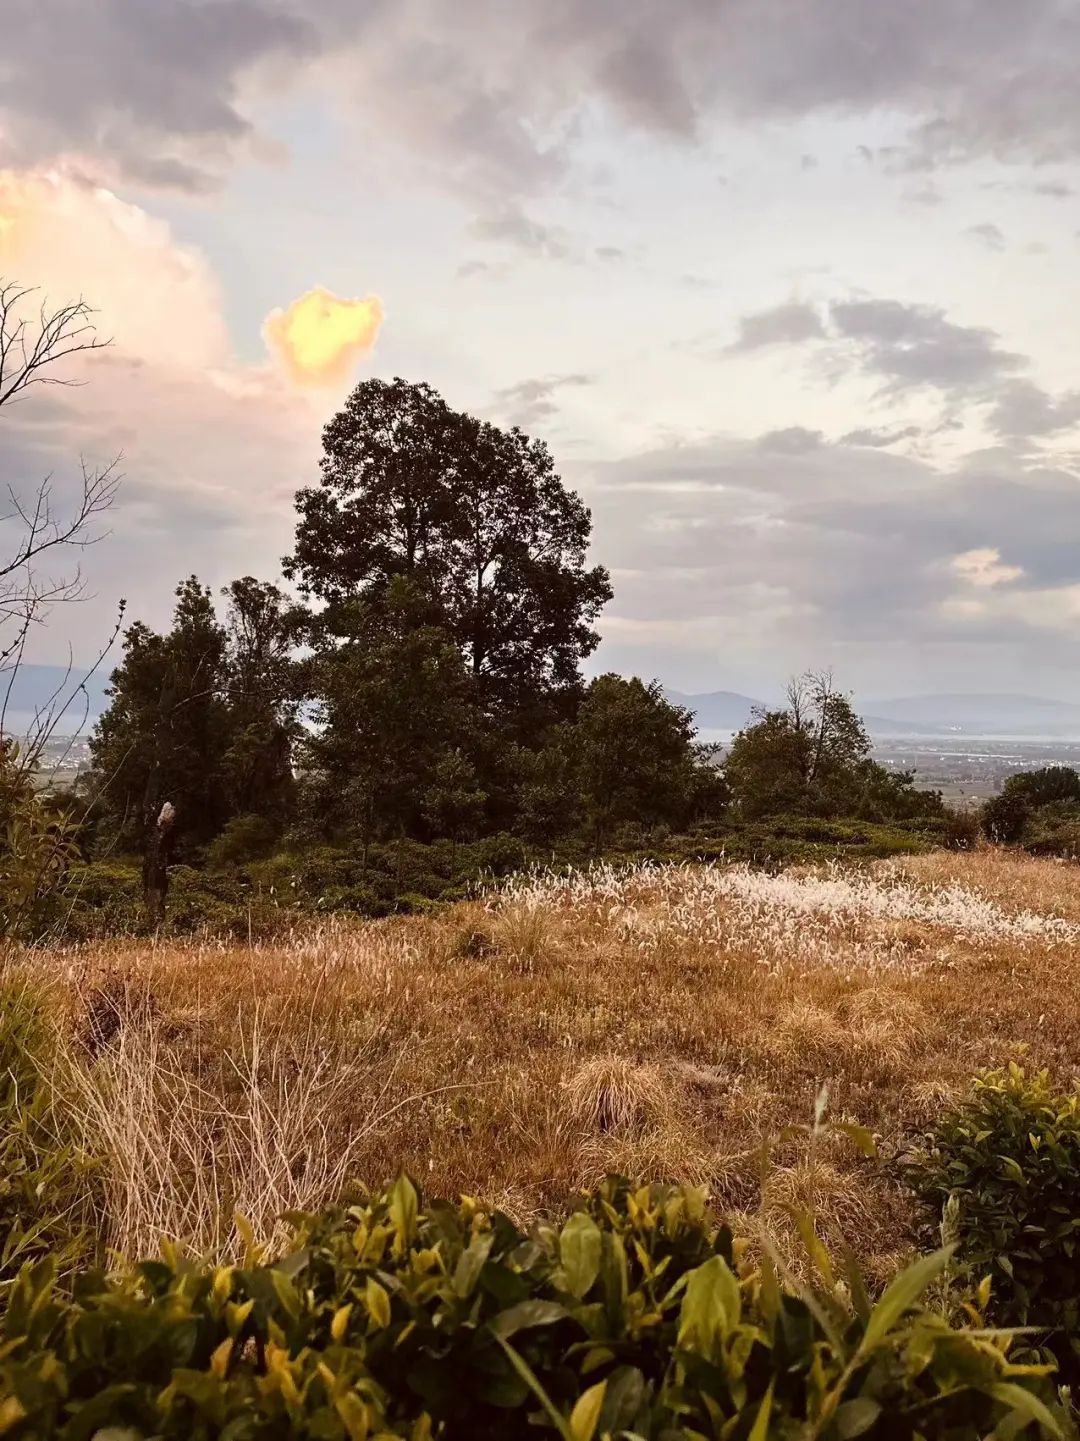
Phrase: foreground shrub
(1006, 1165)
(636, 1318)
(44, 1199)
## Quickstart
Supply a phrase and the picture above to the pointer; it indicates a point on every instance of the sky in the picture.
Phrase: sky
(786, 285)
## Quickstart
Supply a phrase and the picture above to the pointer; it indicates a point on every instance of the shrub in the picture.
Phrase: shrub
(635, 1318)
(44, 1198)
(244, 838)
(1006, 1163)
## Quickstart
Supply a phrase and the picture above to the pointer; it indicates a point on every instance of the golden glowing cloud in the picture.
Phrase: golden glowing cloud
(320, 336)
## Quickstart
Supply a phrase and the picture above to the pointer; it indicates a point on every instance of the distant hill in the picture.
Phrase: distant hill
(980, 714)
(720, 710)
(924, 715)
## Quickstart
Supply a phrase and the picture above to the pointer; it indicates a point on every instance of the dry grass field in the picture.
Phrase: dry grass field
(660, 1022)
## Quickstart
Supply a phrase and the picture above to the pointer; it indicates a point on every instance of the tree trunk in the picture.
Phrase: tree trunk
(159, 841)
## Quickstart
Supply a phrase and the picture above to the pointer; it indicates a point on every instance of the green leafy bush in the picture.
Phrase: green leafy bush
(44, 1193)
(634, 1319)
(1006, 1165)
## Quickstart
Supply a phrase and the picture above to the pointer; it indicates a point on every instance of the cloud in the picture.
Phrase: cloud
(831, 553)
(787, 324)
(983, 567)
(150, 93)
(212, 448)
(1055, 189)
(916, 345)
(491, 96)
(1024, 409)
(319, 337)
(511, 226)
(793, 440)
(987, 234)
(531, 401)
(155, 298)
(877, 439)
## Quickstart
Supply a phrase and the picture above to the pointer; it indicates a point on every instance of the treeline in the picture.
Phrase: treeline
(421, 681)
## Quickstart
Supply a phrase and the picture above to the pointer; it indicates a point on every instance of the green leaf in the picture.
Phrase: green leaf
(710, 1308)
(580, 1248)
(855, 1416)
(586, 1413)
(471, 1263)
(525, 1371)
(403, 1210)
(1013, 1169)
(525, 1314)
(760, 1429)
(1016, 1398)
(900, 1295)
(623, 1401)
(377, 1302)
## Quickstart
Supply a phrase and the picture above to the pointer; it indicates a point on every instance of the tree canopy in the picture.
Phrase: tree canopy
(477, 519)
(812, 757)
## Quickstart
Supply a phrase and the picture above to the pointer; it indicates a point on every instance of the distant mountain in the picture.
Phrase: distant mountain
(922, 715)
(719, 710)
(36, 689)
(988, 714)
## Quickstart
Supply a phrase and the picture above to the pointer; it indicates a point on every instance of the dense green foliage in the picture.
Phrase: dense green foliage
(201, 717)
(257, 894)
(428, 693)
(813, 758)
(479, 525)
(1005, 1166)
(636, 1317)
(45, 1196)
(37, 845)
(436, 665)
(1039, 810)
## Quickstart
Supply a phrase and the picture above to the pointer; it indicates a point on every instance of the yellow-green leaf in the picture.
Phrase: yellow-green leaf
(580, 1248)
(586, 1413)
(901, 1294)
(377, 1302)
(340, 1322)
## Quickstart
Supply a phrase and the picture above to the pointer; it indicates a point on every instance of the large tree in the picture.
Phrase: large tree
(395, 723)
(812, 757)
(632, 754)
(809, 756)
(477, 519)
(166, 731)
(262, 696)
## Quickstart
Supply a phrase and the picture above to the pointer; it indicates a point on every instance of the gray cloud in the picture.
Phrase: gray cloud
(511, 226)
(1024, 409)
(914, 345)
(149, 89)
(787, 324)
(158, 89)
(988, 234)
(903, 345)
(793, 440)
(814, 551)
(1055, 189)
(877, 439)
(533, 400)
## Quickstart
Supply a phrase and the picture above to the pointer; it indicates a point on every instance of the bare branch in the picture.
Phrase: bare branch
(30, 350)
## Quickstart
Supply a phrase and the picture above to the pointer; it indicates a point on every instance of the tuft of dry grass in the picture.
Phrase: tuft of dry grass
(658, 1020)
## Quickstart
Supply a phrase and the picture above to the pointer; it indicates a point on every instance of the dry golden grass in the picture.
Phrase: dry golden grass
(658, 1022)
